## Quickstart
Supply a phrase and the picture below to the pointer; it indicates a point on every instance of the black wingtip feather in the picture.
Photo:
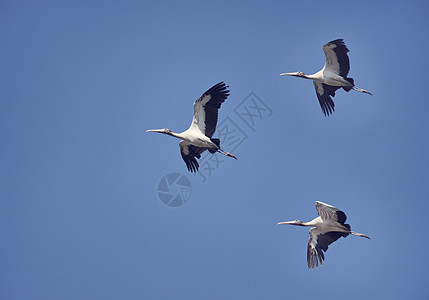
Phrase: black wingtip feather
(341, 51)
(339, 43)
(218, 94)
(325, 101)
(190, 158)
(219, 90)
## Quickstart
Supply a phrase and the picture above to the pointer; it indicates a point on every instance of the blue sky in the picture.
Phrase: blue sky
(81, 81)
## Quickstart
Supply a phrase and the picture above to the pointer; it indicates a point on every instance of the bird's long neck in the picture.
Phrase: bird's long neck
(308, 224)
(300, 223)
(313, 223)
(176, 135)
(308, 76)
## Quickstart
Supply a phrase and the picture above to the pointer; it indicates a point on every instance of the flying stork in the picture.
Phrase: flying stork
(198, 137)
(333, 75)
(327, 228)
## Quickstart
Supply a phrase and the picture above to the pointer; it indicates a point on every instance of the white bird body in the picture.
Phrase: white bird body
(198, 137)
(326, 225)
(328, 77)
(333, 75)
(326, 229)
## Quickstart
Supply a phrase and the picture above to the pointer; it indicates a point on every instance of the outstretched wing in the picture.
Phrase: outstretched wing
(206, 108)
(324, 93)
(318, 243)
(328, 212)
(337, 59)
(189, 154)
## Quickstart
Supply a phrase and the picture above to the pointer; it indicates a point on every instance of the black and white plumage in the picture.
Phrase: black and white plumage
(333, 76)
(198, 137)
(327, 228)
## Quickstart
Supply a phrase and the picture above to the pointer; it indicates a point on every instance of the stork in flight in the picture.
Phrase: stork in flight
(327, 228)
(333, 75)
(198, 137)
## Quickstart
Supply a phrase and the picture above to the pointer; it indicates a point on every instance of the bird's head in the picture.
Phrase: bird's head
(164, 130)
(296, 74)
(296, 222)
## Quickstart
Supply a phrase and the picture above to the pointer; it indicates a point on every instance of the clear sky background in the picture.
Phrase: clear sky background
(81, 81)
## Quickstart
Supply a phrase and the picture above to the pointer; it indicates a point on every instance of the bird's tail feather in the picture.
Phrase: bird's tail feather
(219, 149)
(349, 88)
(217, 143)
(351, 80)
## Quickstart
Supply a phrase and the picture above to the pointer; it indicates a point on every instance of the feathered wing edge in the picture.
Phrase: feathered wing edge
(318, 243)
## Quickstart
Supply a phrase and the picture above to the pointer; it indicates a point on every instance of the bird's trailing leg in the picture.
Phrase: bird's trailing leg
(360, 234)
(361, 90)
(226, 153)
